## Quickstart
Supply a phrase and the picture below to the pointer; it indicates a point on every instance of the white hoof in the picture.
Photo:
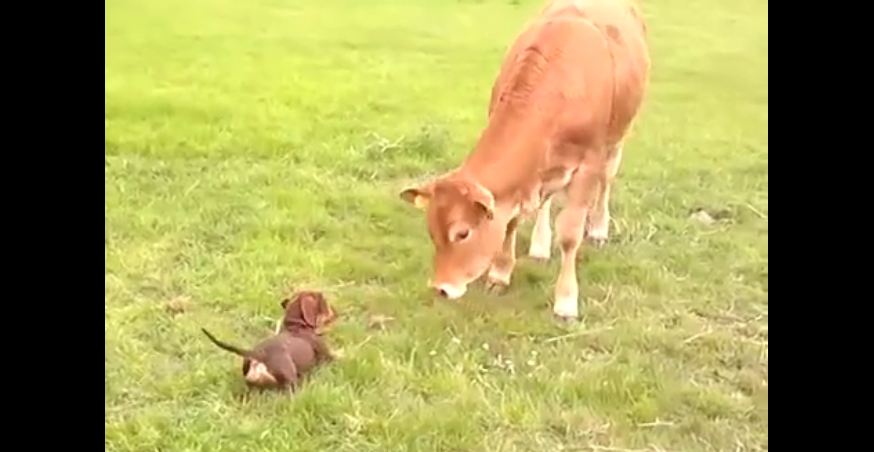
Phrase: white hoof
(539, 252)
(597, 234)
(566, 307)
(498, 277)
(497, 282)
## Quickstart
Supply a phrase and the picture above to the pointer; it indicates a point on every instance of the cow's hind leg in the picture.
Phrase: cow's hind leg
(570, 226)
(502, 266)
(598, 222)
(541, 236)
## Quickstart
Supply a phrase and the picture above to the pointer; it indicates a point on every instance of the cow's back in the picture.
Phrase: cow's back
(597, 79)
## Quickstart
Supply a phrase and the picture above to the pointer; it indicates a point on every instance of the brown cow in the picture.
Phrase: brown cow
(564, 100)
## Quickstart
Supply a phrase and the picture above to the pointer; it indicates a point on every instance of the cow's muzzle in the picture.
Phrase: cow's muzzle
(449, 291)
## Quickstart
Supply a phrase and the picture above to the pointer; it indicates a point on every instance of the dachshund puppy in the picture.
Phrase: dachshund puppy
(279, 362)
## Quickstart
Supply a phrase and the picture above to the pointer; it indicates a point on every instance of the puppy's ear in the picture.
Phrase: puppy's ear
(323, 303)
(309, 309)
(326, 314)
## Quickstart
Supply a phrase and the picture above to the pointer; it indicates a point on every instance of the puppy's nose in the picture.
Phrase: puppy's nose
(441, 292)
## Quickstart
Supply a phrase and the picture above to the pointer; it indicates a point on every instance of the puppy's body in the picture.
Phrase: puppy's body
(281, 360)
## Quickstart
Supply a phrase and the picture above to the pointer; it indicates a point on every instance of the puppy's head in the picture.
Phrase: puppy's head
(308, 309)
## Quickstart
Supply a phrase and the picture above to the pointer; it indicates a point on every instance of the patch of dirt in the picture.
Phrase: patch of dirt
(702, 217)
(177, 305)
(710, 216)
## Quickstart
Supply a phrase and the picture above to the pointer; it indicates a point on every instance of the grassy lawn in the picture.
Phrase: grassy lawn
(255, 146)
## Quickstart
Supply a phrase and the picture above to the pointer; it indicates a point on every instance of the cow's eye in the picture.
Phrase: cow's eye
(459, 232)
(459, 235)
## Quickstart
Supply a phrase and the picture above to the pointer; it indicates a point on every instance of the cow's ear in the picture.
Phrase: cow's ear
(417, 196)
(483, 200)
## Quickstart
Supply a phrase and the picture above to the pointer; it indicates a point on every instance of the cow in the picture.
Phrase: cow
(567, 93)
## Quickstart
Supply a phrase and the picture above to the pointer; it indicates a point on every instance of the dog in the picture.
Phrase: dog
(280, 361)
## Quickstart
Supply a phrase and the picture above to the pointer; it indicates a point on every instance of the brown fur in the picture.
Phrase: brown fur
(280, 361)
(567, 93)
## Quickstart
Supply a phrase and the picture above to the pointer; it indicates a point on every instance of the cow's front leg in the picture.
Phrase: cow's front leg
(570, 226)
(502, 265)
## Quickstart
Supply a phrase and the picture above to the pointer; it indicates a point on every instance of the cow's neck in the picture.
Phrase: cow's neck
(507, 160)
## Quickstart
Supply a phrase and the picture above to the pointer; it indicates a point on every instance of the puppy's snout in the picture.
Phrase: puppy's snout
(441, 292)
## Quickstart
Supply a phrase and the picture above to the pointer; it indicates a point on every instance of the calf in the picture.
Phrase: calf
(566, 95)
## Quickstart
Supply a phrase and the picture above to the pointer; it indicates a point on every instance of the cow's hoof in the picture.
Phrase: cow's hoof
(566, 307)
(496, 287)
(566, 320)
(598, 242)
(539, 260)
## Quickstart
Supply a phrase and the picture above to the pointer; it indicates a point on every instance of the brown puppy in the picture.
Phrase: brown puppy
(280, 361)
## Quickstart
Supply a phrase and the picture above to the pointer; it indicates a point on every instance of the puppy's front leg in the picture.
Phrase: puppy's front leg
(291, 387)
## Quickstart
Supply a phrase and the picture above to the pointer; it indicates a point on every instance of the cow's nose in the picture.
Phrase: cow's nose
(449, 291)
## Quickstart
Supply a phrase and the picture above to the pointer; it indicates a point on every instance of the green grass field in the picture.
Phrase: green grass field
(256, 146)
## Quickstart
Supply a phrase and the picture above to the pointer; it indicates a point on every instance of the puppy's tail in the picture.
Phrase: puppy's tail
(228, 347)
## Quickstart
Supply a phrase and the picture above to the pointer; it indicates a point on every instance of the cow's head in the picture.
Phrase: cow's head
(464, 230)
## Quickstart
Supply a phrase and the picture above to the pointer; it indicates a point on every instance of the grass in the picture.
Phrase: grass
(255, 146)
